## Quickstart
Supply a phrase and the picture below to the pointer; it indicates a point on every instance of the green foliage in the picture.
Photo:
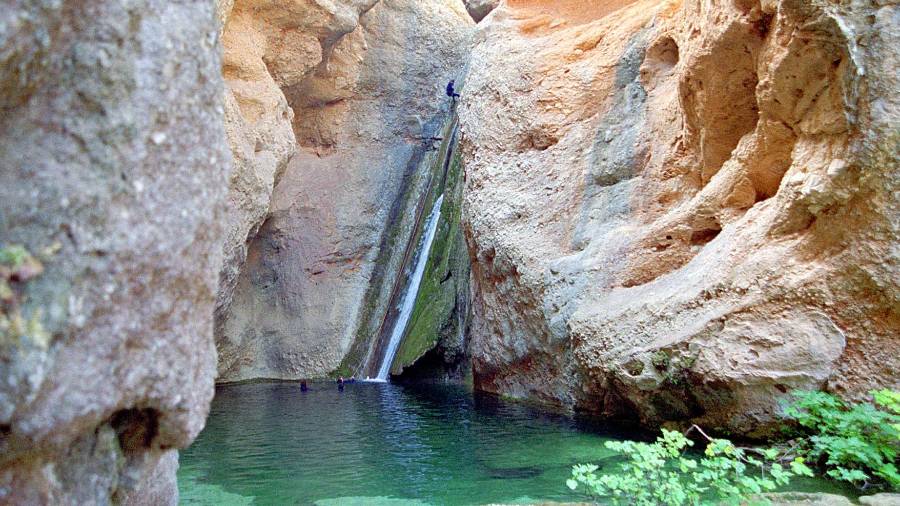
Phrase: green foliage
(17, 267)
(14, 256)
(858, 443)
(660, 360)
(888, 399)
(661, 473)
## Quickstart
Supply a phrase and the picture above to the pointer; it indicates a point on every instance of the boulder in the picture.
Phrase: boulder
(114, 176)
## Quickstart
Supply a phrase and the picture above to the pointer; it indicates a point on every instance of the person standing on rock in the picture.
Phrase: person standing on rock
(451, 92)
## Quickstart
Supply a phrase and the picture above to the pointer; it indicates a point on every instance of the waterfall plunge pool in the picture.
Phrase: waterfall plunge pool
(387, 444)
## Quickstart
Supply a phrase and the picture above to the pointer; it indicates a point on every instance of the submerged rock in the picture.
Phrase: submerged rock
(683, 211)
(114, 167)
(882, 499)
(806, 498)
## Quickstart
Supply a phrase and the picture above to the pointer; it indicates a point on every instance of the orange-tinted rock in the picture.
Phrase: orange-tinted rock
(681, 211)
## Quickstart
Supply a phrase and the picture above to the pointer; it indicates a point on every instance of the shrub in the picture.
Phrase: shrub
(661, 473)
(858, 443)
(14, 256)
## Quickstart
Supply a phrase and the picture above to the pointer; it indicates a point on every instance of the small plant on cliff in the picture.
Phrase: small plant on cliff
(18, 266)
(662, 473)
(13, 256)
(858, 443)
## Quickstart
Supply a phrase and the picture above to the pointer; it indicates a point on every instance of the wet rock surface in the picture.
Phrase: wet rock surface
(435, 344)
(810, 499)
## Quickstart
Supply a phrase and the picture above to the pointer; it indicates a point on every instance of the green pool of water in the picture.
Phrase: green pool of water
(385, 444)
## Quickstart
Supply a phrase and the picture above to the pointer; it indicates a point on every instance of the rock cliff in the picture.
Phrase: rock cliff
(683, 210)
(360, 83)
(114, 162)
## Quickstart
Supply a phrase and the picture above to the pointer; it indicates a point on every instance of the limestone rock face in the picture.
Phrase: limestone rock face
(365, 83)
(882, 499)
(268, 47)
(681, 211)
(114, 174)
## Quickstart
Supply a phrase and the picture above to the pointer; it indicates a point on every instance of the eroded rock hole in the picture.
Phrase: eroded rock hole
(136, 428)
(718, 96)
(665, 52)
(763, 25)
(634, 367)
(659, 62)
(538, 139)
(704, 235)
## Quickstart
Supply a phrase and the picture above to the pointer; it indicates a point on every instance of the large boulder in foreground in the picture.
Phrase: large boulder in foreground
(115, 169)
(684, 211)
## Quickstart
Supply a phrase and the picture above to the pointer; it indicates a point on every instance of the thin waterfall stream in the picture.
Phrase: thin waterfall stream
(408, 301)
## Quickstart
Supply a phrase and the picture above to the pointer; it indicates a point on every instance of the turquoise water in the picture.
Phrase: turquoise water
(269, 443)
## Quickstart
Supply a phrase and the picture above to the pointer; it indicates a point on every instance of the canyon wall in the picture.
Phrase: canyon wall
(114, 167)
(684, 210)
(361, 85)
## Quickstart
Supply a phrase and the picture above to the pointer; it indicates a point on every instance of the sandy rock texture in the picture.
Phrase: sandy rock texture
(683, 210)
(365, 83)
(114, 175)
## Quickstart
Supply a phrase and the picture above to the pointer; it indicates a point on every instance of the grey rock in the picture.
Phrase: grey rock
(882, 499)
(807, 499)
(114, 174)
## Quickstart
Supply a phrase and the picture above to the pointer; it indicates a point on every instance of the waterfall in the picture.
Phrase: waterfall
(408, 301)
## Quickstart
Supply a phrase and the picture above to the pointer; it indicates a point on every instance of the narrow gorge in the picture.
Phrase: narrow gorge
(618, 216)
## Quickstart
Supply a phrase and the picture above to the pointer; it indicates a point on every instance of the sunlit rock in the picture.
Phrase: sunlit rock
(682, 211)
